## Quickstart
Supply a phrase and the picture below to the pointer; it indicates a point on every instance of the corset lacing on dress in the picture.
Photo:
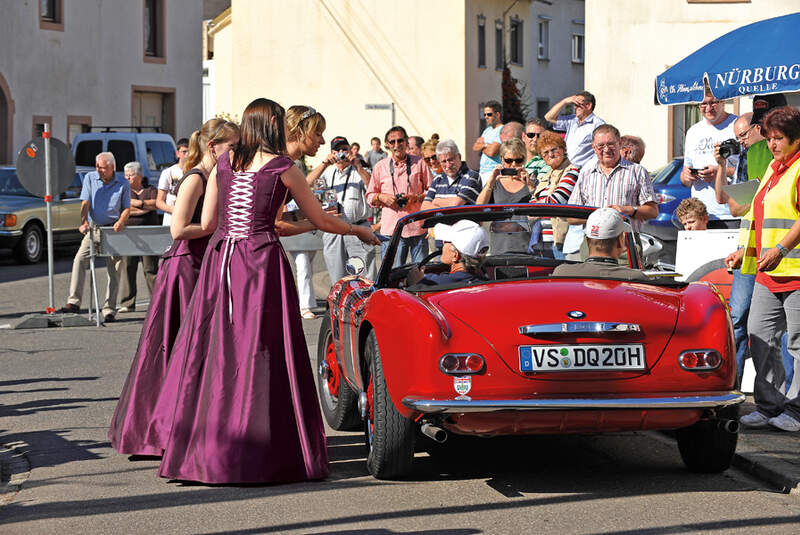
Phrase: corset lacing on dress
(239, 217)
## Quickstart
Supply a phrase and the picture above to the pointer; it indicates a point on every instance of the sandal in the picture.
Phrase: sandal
(307, 314)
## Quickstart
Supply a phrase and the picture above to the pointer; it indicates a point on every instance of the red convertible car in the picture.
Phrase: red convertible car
(519, 351)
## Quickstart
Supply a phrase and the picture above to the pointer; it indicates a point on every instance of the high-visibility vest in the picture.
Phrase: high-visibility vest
(780, 213)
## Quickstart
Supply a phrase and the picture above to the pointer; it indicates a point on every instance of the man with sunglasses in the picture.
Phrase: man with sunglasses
(398, 185)
(699, 166)
(535, 165)
(578, 126)
(488, 144)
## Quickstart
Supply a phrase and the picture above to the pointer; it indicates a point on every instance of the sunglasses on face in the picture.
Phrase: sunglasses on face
(532, 135)
(431, 158)
(488, 114)
(398, 141)
(513, 160)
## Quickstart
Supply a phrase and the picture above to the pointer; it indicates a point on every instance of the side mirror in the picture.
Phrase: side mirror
(354, 265)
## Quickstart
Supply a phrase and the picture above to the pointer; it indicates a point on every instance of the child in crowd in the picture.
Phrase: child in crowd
(692, 214)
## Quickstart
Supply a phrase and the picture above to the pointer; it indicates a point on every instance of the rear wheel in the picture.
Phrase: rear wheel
(705, 446)
(30, 247)
(389, 435)
(338, 399)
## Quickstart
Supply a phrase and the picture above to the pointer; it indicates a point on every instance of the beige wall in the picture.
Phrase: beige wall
(627, 47)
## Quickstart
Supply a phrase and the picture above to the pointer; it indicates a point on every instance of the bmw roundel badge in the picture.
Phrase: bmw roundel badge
(576, 314)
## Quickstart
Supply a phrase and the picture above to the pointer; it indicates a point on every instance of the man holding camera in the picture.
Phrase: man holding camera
(399, 184)
(699, 167)
(343, 173)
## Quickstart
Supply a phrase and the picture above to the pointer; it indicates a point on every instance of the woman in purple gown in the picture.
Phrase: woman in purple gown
(246, 409)
(173, 289)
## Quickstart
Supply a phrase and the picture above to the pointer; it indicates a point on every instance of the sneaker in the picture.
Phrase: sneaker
(307, 314)
(755, 419)
(69, 308)
(109, 318)
(127, 309)
(785, 422)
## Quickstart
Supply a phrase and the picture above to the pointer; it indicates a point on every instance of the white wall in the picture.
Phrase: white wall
(629, 45)
(89, 68)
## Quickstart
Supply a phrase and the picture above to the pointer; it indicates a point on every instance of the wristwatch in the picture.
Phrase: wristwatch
(783, 250)
(635, 209)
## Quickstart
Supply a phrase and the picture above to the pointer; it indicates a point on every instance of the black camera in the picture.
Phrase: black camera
(401, 200)
(729, 147)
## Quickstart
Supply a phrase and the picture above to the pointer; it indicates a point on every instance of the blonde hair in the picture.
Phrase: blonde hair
(303, 121)
(430, 145)
(514, 145)
(213, 131)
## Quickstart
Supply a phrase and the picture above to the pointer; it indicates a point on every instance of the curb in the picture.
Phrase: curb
(773, 471)
(15, 469)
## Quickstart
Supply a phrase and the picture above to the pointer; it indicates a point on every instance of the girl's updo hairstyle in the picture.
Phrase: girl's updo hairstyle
(214, 131)
(262, 129)
(430, 145)
(303, 121)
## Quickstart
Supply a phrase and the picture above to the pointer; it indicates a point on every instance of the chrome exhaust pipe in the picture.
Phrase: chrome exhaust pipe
(731, 426)
(436, 433)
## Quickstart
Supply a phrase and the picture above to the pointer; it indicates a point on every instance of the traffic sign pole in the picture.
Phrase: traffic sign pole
(48, 201)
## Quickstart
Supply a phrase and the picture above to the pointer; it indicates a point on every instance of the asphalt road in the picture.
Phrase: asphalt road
(58, 389)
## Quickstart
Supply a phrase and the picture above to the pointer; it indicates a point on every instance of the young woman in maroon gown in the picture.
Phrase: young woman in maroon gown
(173, 289)
(247, 409)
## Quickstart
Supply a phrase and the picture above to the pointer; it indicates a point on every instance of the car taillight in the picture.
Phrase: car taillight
(461, 363)
(700, 360)
(663, 198)
(8, 220)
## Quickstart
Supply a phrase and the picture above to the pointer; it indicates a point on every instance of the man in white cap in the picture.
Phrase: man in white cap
(605, 237)
(464, 248)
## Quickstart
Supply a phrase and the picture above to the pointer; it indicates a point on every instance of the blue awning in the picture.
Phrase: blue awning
(757, 59)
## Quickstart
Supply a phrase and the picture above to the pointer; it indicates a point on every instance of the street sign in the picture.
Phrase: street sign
(31, 167)
(378, 106)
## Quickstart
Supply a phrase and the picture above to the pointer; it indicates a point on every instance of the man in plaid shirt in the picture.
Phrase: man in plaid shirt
(614, 181)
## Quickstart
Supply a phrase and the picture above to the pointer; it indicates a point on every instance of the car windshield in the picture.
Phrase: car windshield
(9, 184)
(663, 174)
(520, 242)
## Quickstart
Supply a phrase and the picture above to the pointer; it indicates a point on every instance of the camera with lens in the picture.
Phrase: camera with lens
(341, 155)
(729, 147)
(401, 200)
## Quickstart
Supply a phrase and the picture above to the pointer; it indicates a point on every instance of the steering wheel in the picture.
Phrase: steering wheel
(401, 271)
(428, 258)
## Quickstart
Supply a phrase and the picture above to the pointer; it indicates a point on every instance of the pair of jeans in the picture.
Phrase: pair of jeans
(741, 294)
(770, 314)
(417, 246)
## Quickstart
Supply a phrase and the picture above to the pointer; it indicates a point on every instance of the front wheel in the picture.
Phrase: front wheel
(30, 247)
(705, 446)
(389, 435)
(338, 399)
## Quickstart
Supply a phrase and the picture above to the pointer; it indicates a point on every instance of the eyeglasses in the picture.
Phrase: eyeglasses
(604, 146)
(532, 135)
(431, 158)
(397, 141)
(513, 160)
(551, 152)
(741, 137)
(709, 104)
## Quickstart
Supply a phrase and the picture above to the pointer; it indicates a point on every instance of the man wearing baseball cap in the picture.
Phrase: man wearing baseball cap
(464, 248)
(605, 237)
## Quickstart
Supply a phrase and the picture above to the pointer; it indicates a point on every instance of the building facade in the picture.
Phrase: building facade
(82, 63)
(369, 64)
(632, 42)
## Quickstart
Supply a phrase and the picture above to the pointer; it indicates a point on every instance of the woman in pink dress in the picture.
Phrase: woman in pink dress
(247, 409)
(173, 289)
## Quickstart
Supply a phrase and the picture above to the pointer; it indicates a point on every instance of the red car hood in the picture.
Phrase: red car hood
(497, 311)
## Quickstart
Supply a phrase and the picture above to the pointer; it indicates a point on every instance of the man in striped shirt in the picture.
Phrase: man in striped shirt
(614, 181)
(457, 184)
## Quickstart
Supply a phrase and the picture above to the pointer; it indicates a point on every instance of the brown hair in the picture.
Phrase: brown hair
(262, 130)
(548, 138)
(213, 131)
(691, 205)
(303, 121)
(785, 120)
(430, 145)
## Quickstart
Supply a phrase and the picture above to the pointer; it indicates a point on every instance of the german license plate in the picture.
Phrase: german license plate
(560, 358)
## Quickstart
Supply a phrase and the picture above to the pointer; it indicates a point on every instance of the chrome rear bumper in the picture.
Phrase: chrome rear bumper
(683, 401)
